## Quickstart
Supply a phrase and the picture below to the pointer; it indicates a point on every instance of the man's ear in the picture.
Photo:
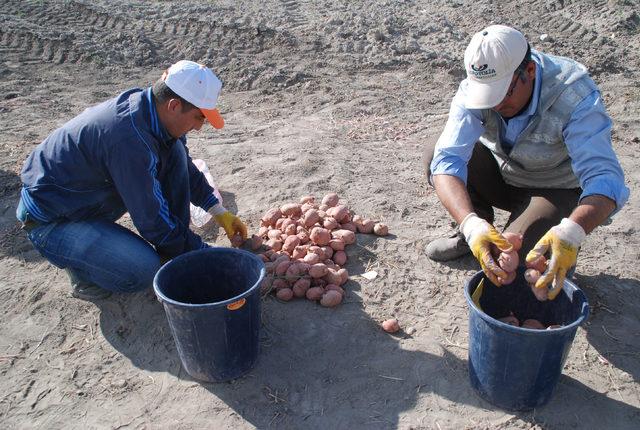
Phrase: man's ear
(174, 105)
(531, 70)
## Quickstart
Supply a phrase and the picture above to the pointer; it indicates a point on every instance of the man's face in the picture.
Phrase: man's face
(519, 92)
(182, 119)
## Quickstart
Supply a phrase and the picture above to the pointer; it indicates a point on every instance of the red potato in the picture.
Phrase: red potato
(330, 223)
(300, 287)
(508, 261)
(340, 213)
(271, 217)
(335, 288)
(279, 257)
(307, 206)
(265, 285)
(533, 324)
(268, 253)
(269, 267)
(315, 293)
(274, 244)
(357, 220)
(340, 258)
(531, 276)
(332, 277)
(286, 222)
(337, 244)
(347, 236)
(344, 275)
(282, 267)
(540, 264)
(349, 226)
(291, 209)
(304, 237)
(366, 226)
(320, 236)
(294, 272)
(327, 251)
(381, 229)
(511, 320)
(515, 240)
(330, 200)
(290, 244)
(279, 283)
(274, 234)
(315, 249)
(331, 264)
(299, 252)
(310, 218)
(262, 231)
(307, 199)
(290, 230)
(322, 210)
(511, 276)
(318, 282)
(279, 223)
(284, 294)
(318, 270)
(264, 258)
(331, 298)
(312, 259)
(391, 325)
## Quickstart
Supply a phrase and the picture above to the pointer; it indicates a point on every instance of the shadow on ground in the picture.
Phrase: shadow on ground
(335, 368)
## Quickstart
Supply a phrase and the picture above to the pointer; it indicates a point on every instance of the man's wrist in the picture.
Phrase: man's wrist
(217, 209)
(572, 231)
(469, 224)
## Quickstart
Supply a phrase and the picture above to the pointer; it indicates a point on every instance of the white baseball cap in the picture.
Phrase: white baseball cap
(491, 58)
(198, 85)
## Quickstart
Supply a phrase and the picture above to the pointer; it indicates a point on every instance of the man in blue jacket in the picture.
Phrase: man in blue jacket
(527, 133)
(127, 154)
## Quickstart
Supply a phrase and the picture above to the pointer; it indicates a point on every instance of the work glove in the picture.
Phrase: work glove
(563, 241)
(231, 224)
(479, 235)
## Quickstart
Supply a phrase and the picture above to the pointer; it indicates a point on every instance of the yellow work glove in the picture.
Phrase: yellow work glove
(479, 235)
(563, 241)
(231, 224)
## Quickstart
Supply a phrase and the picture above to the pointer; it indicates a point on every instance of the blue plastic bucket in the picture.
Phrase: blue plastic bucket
(512, 367)
(212, 301)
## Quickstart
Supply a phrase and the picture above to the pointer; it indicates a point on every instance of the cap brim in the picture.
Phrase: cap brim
(486, 96)
(214, 117)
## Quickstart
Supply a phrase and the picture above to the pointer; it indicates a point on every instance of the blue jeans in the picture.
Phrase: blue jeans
(96, 251)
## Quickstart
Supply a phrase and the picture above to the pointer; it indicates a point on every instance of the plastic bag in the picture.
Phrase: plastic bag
(199, 216)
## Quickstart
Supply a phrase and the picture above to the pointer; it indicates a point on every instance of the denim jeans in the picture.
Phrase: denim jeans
(96, 251)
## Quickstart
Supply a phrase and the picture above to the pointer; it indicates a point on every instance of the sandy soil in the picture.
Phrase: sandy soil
(319, 96)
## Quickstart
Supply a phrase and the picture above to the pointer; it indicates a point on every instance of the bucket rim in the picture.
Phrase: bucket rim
(211, 250)
(568, 285)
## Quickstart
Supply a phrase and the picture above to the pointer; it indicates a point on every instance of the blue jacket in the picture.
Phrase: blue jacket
(113, 158)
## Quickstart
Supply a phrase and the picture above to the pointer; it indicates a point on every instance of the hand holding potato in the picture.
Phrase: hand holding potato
(480, 235)
(563, 242)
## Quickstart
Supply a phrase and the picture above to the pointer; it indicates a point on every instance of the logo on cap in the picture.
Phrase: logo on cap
(482, 71)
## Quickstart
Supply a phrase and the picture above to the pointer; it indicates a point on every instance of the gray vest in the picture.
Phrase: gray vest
(539, 158)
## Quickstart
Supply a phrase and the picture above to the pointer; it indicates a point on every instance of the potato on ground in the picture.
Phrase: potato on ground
(315, 293)
(347, 236)
(381, 229)
(320, 236)
(340, 258)
(391, 325)
(270, 218)
(284, 294)
(310, 218)
(366, 226)
(300, 287)
(331, 298)
(291, 209)
(330, 200)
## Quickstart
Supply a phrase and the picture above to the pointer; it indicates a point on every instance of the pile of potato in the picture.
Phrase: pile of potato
(305, 248)
(528, 323)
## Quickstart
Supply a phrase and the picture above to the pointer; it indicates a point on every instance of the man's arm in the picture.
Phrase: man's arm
(453, 194)
(592, 211)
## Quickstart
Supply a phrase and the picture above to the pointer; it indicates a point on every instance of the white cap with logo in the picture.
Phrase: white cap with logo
(491, 58)
(198, 85)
